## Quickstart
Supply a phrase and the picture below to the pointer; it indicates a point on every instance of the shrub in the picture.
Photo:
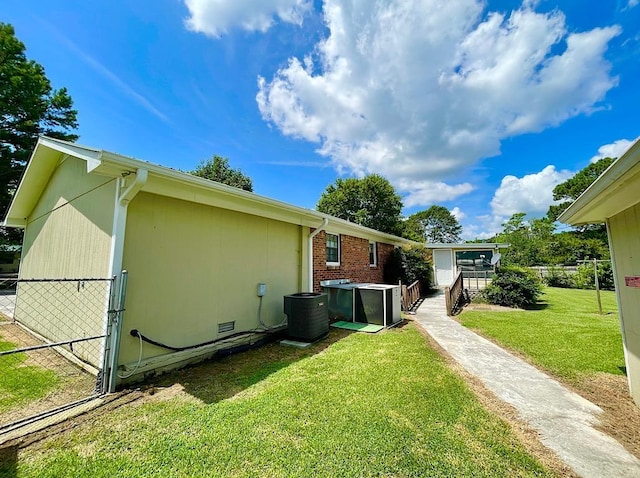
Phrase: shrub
(558, 277)
(409, 264)
(513, 287)
(585, 277)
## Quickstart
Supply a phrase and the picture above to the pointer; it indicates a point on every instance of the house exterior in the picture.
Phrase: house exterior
(345, 256)
(614, 199)
(91, 213)
(448, 259)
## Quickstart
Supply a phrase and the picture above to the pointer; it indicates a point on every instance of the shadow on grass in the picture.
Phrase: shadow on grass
(540, 305)
(223, 377)
(9, 461)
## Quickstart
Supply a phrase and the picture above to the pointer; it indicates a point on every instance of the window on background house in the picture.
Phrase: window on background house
(373, 254)
(333, 249)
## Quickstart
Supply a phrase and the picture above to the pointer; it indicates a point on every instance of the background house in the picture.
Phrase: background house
(614, 198)
(195, 251)
(448, 259)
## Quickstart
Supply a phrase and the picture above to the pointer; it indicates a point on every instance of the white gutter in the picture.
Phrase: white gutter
(324, 224)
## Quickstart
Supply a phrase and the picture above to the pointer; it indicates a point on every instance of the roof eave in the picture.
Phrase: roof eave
(201, 190)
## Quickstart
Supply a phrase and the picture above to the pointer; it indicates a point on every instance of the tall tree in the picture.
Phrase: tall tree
(534, 242)
(371, 201)
(435, 225)
(218, 169)
(568, 191)
(29, 107)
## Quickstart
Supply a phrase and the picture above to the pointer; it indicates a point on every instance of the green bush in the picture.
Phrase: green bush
(558, 277)
(585, 277)
(409, 264)
(513, 287)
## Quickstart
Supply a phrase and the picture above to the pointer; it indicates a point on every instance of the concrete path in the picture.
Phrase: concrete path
(564, 420)
(7, 303)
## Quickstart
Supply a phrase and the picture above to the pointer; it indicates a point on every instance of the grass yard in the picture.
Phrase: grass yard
(354, 405)
(36, 381)
(21, 382)
(566, 335)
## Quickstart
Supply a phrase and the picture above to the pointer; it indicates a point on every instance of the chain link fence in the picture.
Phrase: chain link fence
(52, 343)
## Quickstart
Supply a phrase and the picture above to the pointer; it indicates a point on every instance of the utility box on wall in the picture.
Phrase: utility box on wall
(378, 304)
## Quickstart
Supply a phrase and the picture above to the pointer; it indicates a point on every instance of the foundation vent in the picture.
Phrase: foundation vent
(226, 327)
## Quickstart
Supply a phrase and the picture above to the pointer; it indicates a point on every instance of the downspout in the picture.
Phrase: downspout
(324, 224)
(114, 321)
(123, 198)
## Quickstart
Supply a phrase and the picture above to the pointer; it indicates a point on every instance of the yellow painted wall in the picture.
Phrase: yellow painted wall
(193, 266)
(68, 235)
(625, 237)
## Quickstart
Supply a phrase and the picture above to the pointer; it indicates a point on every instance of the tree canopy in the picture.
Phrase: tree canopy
(568, 191)
(534, 242)
(218, 169)
(434, 225)
(29, 107)
(371, 201)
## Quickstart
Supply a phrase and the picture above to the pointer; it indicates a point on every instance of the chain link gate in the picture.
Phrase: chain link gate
(57, 344)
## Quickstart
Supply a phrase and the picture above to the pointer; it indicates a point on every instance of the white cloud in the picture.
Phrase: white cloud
(632, 3)
(532, 194)
(429, 192)
(419, 90)
(613, 150)
(457, 213)
(483, 227)
(217, 17)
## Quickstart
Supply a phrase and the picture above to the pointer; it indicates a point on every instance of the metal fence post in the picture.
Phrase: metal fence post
(116, 332)
(595, 272)
(103, 379)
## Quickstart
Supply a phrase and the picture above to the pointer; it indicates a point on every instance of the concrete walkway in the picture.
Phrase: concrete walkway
(564, 420)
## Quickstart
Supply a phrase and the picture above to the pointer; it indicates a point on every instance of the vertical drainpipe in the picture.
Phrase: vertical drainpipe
(124, 195)
(324, 224)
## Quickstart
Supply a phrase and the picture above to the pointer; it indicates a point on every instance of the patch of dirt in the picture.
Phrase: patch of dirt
(521, 429)
(112, 402)
(621, 417)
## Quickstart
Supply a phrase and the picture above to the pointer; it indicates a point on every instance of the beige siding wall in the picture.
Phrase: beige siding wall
(68, 235)
(192, 267)
(625, 237)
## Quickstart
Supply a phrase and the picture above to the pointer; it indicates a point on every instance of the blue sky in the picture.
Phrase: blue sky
(482, 107)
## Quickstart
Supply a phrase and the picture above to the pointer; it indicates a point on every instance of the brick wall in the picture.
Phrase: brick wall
(354, 260)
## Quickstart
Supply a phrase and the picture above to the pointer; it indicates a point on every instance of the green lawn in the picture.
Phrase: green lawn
(21, 383)
(365, 405)
(566, 335)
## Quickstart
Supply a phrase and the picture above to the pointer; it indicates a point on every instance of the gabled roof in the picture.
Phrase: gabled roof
(166, 182)
(616, 190)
